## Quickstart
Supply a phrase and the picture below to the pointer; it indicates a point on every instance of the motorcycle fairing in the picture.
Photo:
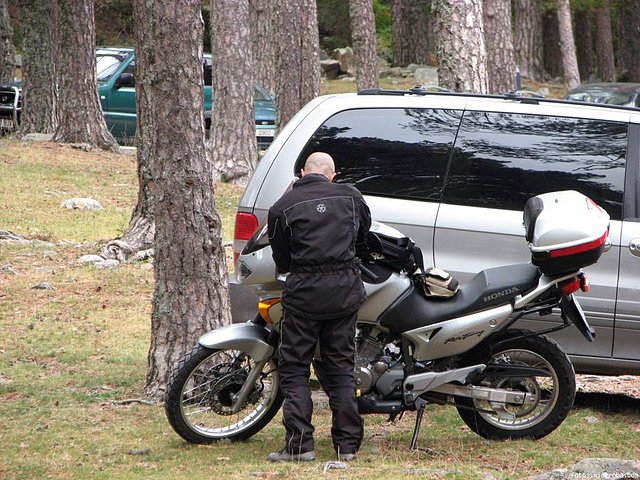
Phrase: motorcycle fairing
(489, 288)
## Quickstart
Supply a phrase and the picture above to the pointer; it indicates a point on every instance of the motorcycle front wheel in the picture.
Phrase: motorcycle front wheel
(552, 394)
(199, 398)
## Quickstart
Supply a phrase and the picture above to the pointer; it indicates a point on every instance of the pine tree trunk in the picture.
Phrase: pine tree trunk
(39, 22)
(528, 39)
(584, 42)
(629, 13)
(264, 47)
(571, 74)
(233, 127)
(191, 292)
(462, 60)
(551, 40)
(363, 34)
(298, 64)
(410, 32)
(81, 119)
(604, 45)
(7, 51)
(501, 66)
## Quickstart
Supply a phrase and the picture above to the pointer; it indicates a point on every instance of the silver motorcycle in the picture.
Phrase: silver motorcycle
(412, 350)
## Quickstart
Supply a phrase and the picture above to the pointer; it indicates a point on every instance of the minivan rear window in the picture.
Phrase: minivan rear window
(502, 159)
(391, 152)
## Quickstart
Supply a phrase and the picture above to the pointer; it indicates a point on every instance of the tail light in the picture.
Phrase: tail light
(246, 224)
(581, 282)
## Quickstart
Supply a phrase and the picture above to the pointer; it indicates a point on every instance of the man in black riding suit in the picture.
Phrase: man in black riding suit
(313, 230)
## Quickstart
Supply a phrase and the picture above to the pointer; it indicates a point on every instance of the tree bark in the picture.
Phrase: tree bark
(7, 50)
(528, 39)
(409, 32)
(298, 65)
(584, 42)
(233, 127)
(462, 60)
(604, 44)
(264, 46)
(363, 35)
(501, 66)
(629, 13)
(81, 119)
(571, 74)
(191, 292)
(39, 22)
(551, 36)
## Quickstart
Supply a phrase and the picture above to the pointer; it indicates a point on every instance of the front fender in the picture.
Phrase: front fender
(248, 337)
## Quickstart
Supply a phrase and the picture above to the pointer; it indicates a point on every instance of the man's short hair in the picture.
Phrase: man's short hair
(320, 162)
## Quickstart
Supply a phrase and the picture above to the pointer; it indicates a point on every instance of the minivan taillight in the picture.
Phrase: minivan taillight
(246, 224)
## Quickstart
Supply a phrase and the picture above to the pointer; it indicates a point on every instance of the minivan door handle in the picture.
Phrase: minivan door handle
(634, 247)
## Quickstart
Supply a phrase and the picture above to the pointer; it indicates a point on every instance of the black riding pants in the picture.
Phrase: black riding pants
(298, 339)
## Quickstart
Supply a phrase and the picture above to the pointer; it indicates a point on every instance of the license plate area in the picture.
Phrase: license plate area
(6, 123)
(265, 132)
(572, 310)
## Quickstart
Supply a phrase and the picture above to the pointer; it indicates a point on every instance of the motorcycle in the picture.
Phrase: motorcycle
(412, 349)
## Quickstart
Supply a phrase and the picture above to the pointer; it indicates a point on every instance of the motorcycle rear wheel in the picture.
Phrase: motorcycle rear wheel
(199, 397)
(554, 394)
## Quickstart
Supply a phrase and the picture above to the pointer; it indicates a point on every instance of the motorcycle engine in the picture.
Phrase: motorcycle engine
(373, 361)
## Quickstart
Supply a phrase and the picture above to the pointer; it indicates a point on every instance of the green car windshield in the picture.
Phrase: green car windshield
(106, 66)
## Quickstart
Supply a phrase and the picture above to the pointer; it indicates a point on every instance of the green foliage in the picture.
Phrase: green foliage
(382, 12)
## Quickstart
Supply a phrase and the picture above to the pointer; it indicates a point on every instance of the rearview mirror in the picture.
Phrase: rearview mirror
(126, 80)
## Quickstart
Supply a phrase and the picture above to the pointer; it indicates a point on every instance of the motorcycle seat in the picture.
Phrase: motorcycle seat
(489, 288)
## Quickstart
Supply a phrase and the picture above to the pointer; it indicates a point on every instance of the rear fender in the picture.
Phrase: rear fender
(248, 337)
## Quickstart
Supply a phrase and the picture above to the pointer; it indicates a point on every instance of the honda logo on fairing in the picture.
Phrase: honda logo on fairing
(502, 293)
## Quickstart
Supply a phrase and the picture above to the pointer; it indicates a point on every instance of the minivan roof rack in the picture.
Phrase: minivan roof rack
(523, 96)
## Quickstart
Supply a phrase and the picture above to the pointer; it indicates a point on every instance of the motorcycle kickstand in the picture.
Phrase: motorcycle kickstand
(421, 404)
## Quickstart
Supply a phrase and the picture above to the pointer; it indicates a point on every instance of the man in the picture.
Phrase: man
(313, 231)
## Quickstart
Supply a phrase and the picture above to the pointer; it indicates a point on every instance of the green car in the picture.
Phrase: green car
(116, 87)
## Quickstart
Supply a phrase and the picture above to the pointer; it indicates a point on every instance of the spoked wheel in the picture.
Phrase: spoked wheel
(199, 401)
(551, 395)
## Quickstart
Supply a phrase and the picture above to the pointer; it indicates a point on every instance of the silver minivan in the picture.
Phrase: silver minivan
(453, 172)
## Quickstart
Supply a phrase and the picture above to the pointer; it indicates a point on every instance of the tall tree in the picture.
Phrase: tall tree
(501, 65)
(7, 51)
(583, 19)
(629, 14)
(298, 64)
(604, 43)
(264, 46)
(551, 41)
(81, 119)
(409, 32)
(528, 39)
(363, 34)
(571, 74)
(233, 127)
(462, 59)
(39, 22)
(191, 294)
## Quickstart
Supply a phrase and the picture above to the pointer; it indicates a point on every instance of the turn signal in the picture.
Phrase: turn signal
(264, 306)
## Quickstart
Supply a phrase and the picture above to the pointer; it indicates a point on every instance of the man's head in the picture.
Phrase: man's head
(320, 162)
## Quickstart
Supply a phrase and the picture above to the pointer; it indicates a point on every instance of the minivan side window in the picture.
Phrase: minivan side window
(502, 159)
(391, 152)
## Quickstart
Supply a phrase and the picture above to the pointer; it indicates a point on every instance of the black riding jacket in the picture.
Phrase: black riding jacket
(313, 232)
